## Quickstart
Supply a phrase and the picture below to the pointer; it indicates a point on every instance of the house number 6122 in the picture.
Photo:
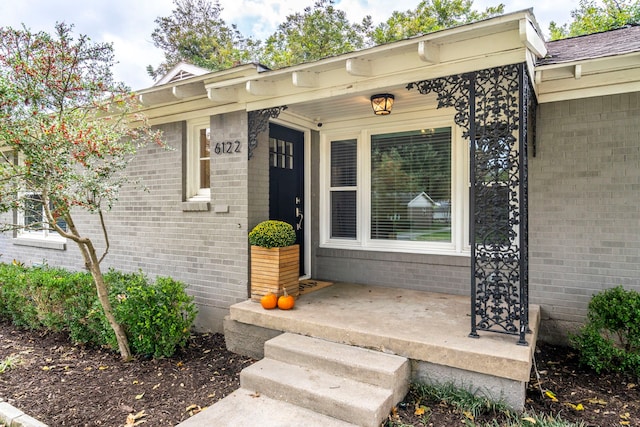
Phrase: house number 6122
(227, 147)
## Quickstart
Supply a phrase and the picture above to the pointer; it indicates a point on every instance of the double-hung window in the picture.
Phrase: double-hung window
(198, 169)
(396, 189)
(32, 224)
(344, 189)
(33, 219)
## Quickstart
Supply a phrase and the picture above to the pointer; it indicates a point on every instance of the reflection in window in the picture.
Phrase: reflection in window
(411, 185)
(34, 218)
(204, 158)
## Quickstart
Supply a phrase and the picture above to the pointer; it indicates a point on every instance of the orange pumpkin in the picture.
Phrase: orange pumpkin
(269, 301)
(286, 301)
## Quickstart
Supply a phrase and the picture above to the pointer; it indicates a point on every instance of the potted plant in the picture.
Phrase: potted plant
(274, 259)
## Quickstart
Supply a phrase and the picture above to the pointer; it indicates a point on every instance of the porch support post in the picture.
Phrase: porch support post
(495, 108)
(472, 205)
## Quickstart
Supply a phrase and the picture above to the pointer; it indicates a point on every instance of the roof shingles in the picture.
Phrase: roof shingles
(609, 43)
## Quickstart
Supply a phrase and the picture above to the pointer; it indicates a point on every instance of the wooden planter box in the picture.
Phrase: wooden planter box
(273, 270)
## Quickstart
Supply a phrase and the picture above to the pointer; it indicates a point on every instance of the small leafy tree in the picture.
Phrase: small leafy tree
(320, 32)
(592, 17)
(66, 137)
(195, 33)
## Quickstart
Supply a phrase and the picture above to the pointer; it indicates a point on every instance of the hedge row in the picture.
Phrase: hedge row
(157, 316)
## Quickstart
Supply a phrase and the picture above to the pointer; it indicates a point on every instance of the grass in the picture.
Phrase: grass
(538, 420)
(471, 406)
(8, 363)
(464, 401)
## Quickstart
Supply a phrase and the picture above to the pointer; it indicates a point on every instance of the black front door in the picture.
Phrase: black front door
(286, 180)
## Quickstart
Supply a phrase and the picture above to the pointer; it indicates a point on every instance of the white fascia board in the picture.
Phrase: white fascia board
(388, 80)
(589, 85)
(531, 39)
(612, 89)
(452, 35)
(617, 61)
(450, 47)
(170, 114)
(586, 78)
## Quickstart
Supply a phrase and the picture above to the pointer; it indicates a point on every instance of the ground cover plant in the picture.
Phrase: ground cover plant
(65, 384)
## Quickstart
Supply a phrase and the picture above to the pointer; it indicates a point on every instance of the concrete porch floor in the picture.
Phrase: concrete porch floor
(431, 329)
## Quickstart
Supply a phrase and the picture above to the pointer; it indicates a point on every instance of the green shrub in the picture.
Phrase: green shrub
(85, 319)
(272, 234)
(17, 304)
(53, 290)
(610, 340)
(157, 316)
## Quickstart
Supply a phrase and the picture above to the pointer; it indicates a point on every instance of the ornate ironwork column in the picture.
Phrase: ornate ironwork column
(258, 122)
(494, 109)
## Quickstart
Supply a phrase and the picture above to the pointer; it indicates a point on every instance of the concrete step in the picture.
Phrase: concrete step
(304, 381)
(368, 366)
(336, 396)
(246, 408)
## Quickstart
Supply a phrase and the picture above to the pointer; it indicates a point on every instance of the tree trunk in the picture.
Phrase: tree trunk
(93, 265)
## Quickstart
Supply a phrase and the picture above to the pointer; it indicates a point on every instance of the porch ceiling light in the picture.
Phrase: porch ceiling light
(382, 104)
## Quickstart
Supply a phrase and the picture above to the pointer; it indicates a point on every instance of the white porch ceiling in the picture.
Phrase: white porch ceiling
(338, 89)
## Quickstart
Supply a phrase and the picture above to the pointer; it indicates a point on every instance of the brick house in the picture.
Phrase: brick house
(557, 142)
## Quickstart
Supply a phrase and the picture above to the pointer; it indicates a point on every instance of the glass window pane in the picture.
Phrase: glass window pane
(289, 155)
(343, 214)
(33, 217)
(205, 173)
(205, 144)
(204, 158)
(281, 154)
(62, 224)
(273, 159)
(411, 185)
(344, 163)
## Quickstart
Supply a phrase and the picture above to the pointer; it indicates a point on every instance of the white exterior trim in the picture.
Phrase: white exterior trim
(459, 187)
(194, 192)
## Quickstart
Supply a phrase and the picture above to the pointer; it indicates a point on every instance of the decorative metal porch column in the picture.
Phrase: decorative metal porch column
(495, 108)
(258, 122)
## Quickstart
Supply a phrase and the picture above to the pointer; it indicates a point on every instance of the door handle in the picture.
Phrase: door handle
(299, 221)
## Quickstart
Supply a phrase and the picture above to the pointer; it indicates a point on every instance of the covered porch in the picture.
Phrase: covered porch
(430, 329)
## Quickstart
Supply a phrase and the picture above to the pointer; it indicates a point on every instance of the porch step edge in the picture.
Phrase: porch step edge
(357, 363)
(245, 407)
(343, 398)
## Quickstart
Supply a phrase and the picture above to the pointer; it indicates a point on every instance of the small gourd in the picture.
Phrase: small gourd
(269, 301)
(286, 301)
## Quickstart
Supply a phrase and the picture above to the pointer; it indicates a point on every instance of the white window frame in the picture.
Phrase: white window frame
(46, 234)
(459, 244)
(45, 238)
(194, 191)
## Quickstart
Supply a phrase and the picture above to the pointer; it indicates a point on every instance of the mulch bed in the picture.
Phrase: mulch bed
(63, 384)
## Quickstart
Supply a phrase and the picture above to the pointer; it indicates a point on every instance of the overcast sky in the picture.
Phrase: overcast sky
(128, 24)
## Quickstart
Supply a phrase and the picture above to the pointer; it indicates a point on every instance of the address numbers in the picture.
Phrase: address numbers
(227, 147)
